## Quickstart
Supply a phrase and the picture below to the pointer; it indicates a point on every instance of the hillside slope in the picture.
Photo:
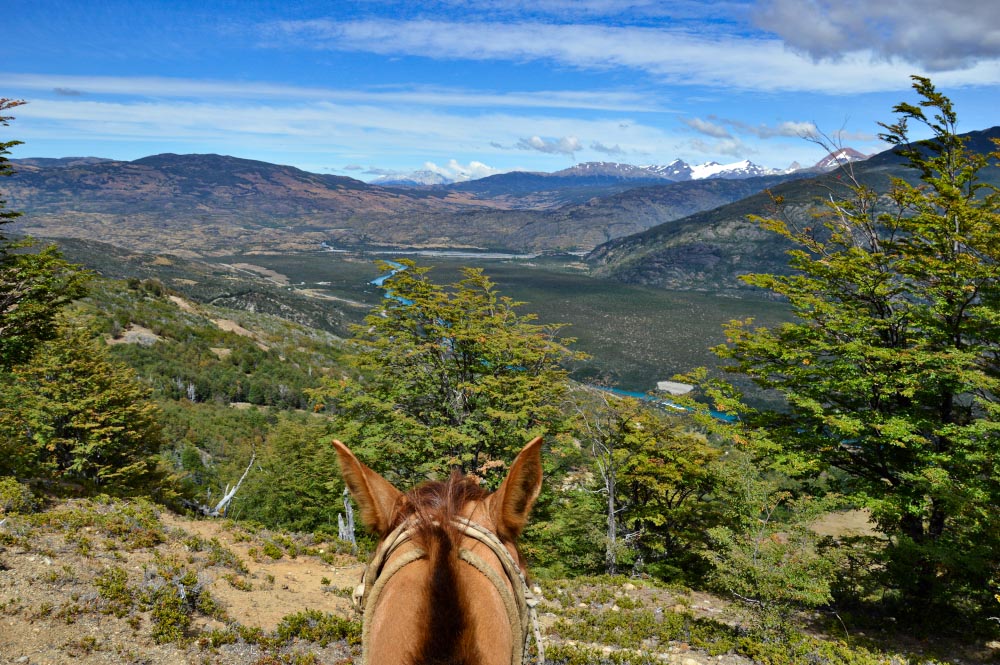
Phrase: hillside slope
(709, 250)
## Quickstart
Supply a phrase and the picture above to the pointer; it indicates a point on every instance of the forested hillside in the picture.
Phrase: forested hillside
(711, 249)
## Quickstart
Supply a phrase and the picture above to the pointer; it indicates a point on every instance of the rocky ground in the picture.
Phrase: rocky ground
(100, 582)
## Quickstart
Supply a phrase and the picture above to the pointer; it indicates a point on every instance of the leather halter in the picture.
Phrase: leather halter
(520, 605)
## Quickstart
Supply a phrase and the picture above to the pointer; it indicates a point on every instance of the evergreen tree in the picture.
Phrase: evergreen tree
(73, 415)
(296, 484)
(452, 376)
(34, 285)
(5, 168)
(890, 371)
(655, 476)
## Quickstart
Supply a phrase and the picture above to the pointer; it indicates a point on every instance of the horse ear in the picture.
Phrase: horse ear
(511, 503)
(375, 495)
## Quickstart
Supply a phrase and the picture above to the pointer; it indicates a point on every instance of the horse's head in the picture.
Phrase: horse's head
(438, 527)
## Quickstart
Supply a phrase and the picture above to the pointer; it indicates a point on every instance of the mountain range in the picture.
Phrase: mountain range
(709, 250)
(215, 204)
(633, 227)
(676, 171)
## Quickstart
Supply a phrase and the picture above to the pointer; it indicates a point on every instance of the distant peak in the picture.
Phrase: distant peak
(741, 169)
(838, 157)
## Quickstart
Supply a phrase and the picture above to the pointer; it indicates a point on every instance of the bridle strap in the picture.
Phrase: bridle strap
(514, 606)
(527, 616)
(520, 606)
(373, 571)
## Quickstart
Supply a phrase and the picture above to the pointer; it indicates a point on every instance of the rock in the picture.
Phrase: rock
(628, 586)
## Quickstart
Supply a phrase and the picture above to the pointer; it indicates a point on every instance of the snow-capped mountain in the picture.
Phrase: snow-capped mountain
(608, 169)
(741, 169)
(416, 179)
(677, 170)
(839, 157)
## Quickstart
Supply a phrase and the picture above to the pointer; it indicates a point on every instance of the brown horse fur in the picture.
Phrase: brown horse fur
(439, 610)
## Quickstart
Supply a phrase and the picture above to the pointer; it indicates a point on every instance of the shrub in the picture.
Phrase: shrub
(320, 627)
(112, 585)
(15, 497)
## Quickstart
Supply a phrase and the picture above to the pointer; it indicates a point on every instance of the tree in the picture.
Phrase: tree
(766, 554)
(33, 285)
(295, 484)
(5, 167)
(75, 416)
(890, 370)
(452, 376)
(655, 476)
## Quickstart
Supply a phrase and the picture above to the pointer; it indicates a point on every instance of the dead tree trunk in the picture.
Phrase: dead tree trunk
(345, 527)
(220, 508)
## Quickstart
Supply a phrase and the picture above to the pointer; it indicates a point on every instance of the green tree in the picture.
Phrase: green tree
(5, 167)
(34, 285)
(74, 415)
(766, 554)
(655, 476)
(890, 371)
(296, 483)
(452, 376)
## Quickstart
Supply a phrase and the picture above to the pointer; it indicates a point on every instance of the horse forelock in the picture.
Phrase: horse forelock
(437, 503)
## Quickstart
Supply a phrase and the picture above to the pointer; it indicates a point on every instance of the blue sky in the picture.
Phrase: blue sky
(471, 87)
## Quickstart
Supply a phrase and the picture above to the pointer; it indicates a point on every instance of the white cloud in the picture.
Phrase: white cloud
(567, 145)
(675, 9)
(800, 129)
(676, 56)
(787, 128)
(372, 170)
(353, 133)
(940, 36)
(459, 172)
(613, 150)
(706, 127)
(728, 147)
(184, 88)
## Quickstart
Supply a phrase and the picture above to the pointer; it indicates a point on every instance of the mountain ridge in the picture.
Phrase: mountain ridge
(710, 249)
(216, 204)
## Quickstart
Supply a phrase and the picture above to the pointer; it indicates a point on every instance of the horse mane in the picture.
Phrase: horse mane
(433, 506)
